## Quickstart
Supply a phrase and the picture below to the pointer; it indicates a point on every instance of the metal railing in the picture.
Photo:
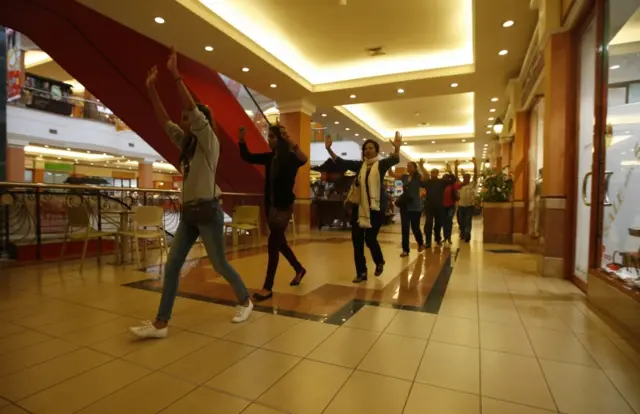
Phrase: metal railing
(36, 214)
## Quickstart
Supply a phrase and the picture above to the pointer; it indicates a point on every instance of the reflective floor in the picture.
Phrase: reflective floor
(454, 331)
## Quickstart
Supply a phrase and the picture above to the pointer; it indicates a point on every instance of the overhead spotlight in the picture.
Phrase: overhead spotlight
(400, 90)
(433, 142)
(357, 135)
(454, 85)
(491, 119)
(352, 96)
(464, 140)
(492, 110)
(347, 129)
(488, 132)
(508, 23)
(324, 115)
(68, 149)
(614, 67)
(208, 48)
(486, 145)
(159, 20)
(503, 52)
(494, 99)
(337, 122)
(273, 85)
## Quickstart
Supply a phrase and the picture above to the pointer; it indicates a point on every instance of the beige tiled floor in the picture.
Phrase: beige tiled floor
(505, 342)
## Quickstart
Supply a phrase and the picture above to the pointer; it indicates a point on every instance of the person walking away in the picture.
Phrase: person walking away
(466, 204)
(410, 209)
(202, 215)
(368, 200)
(433, 205)
(281, 166)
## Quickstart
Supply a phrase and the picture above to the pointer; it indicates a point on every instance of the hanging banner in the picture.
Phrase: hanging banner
(14, 65)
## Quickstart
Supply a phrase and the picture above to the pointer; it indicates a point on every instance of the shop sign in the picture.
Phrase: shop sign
(51, 166)
(14, 65)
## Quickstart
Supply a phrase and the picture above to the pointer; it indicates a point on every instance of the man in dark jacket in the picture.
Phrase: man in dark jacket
(434, 204)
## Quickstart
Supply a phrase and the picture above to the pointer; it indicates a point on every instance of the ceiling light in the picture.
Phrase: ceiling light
(273, 85)
(208, 48)
(433, 142)
(486, 145)
(464, 140)
(159, 20)
(352, 96)
(491, 119)
(498, 127)
(400, 90)
(614, 67)
(68, 149)
(346, 129)
(324, 115)
(488, 132)
(454, 85)
(357, 135)
(494, 99)
(337, 122)
(245, 69)
(508, 23)
(492, 110)
(489, 126)
(503, 52)
(417, 114)
(46, 146)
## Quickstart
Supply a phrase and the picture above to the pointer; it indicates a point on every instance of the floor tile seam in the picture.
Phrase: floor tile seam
(637, 364)
(619, 391)
(520, 403)
(479, 347)
(77, 347)
(353, 371)
(539, 364)
(48, 338)
(61, 335)
(65, 380)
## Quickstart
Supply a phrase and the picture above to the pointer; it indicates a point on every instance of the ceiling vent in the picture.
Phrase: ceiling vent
(376, 51)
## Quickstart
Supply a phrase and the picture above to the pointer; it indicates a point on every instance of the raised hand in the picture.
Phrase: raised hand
(397, 141)
(152, 77)
(328, 142)
(457, 163)
(172, 63)
(241, 133)
(473, 160)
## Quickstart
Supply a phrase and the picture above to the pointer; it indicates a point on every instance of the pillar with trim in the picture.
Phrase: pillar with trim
(15, 160)
(295, 116)
(145, 174)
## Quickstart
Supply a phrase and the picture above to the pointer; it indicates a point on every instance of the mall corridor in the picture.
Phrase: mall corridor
(495, 339)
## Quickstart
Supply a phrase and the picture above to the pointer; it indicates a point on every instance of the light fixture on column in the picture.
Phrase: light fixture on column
(498, 126)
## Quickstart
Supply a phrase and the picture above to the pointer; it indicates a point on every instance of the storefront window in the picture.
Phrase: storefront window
(621, 221)
(55, 177)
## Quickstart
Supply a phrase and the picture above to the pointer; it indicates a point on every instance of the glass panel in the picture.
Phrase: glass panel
(621, 222)
(257, 107)
(634, 93)
(28, 176)
(586, 105)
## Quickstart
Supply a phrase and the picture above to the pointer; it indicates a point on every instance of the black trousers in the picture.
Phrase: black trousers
(433, 225)
(410, 220)
(278, 244)
(360, 237)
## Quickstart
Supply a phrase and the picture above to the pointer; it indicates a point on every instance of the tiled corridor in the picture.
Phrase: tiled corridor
(504, 341)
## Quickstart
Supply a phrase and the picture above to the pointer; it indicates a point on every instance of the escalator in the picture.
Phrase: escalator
(112, 60)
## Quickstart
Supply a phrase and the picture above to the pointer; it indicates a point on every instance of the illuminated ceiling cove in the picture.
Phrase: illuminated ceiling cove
(317, 40)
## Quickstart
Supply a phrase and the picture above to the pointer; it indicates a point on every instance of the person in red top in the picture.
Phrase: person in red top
(449, 202)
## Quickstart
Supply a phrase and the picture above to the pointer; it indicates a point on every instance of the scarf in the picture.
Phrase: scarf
(369, 201)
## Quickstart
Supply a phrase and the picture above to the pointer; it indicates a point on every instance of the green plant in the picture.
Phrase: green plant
(497, 186)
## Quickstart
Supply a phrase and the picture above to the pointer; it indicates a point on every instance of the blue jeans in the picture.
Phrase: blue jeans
(447, 226)
(466, 218)
(213, 239)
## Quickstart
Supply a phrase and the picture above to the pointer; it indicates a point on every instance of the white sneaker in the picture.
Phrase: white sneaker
(242, 313)
(147, 330)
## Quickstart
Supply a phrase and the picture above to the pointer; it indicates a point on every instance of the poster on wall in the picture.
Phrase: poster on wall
(14, 65)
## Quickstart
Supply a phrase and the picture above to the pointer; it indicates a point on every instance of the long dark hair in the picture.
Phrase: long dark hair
(190, 142)
(415, 167)
(283, 147)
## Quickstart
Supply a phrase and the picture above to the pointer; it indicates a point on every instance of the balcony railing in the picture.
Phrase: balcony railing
(35, 215)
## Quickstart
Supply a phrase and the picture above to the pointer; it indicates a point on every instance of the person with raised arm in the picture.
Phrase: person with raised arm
(410, 209)
(201, 212)
(368, 200)
(434, 203)
(281, 166)
(467, 203)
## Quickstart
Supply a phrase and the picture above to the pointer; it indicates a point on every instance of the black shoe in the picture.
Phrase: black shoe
(379, 270)
(257, 297)
(404, 254)
(298, 279)
(360, 278)
(420, 249)
(427, 246)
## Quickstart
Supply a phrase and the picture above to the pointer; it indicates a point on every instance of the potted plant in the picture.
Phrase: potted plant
(497, 208)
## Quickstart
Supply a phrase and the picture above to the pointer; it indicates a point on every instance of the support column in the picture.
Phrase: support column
(519, 170)
(3, 104)
(558, 157)
(145, 174)
(15, 163)
(295, 116)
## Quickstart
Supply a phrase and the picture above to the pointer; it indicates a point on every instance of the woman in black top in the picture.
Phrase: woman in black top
(369, 202)
(281, 166)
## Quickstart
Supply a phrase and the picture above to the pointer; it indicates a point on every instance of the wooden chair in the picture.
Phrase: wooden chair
(79, 228)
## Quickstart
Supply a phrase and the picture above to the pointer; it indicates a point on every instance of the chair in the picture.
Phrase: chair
(145, 217)
(79, 228)
(245, 218)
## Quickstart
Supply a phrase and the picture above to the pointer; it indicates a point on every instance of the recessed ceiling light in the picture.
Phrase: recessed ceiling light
(492, 110)
(433, 142)
(491, 119)
(417, 113)
(159, 20)
(508, 23)
(364, 139)
(488, 132)
(454, 85)
(400, 90)
(46, 146)
(357, 135)
(486, 145)
(464, 140)
(245, 69)
(337, 122)
(273, 85)
(68, 149)
(503, 52)
(346, 129)
(489, 126)
(324, 115)
(208, 48)
(352, 96)
(614, 67)
(494, 99)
